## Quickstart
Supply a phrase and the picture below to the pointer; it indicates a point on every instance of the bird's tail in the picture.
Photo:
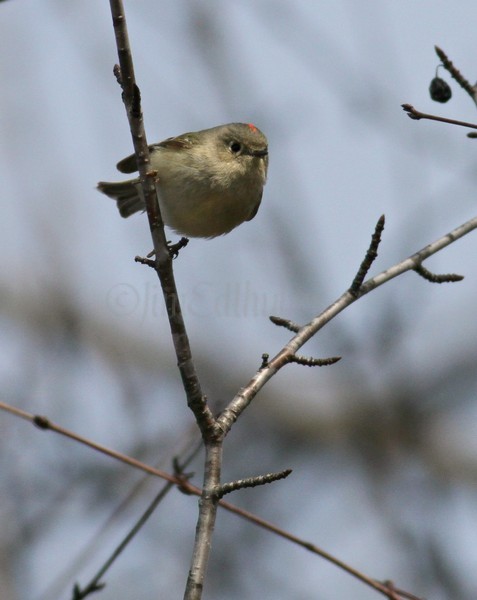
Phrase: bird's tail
(127, 195)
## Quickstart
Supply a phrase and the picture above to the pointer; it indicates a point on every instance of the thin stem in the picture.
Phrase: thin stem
(415, 114)
(45, 424)
(250, 482)
(370, 257)
(188, 488)
(373, 583)
(95, 582)
(456, 74)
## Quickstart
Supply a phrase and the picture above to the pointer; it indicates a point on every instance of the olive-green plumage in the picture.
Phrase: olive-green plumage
(208, 182)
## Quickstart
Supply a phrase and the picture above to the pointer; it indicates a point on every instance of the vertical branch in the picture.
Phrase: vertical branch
(205, 525)
(211, 432)
(163, 262)
(132, 100)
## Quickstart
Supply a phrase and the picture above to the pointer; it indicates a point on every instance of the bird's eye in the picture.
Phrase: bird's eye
(235, 147)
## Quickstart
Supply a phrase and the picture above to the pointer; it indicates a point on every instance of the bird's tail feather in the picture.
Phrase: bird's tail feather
(127, 196)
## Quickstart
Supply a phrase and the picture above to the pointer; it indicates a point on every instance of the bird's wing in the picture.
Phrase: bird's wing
(255, 209)
(129, 164)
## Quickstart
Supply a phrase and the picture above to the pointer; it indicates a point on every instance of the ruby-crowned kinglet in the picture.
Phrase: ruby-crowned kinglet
(208, 181)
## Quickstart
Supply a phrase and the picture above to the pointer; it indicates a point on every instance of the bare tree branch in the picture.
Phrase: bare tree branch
(371, 256)
(184, 485)
(250, 482)
(415, 114)
(95, 583)
(163, 261)
(214, 429)
(456, 74)
(235, 408)
(435, 278)
(309, 361)
(280, 322)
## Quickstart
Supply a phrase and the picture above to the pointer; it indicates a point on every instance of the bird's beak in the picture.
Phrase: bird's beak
(260, 153)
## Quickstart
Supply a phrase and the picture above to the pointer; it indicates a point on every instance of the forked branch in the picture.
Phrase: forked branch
(414, 262)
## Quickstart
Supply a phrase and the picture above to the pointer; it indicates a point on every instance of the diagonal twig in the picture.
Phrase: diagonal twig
(456, 74)
(416, 115)
(280, 322)
(245, 396)
(95, 583)
(45, 424)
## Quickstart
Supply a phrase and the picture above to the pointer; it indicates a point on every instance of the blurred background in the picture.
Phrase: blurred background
(382, 445)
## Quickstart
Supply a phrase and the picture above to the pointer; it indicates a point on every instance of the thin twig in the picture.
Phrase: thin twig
(184, 484)
(456, 74)
(393, 594)
(280, 322)
(235, 408)
(145, 261)
(250, 482)
(370, 257)
(435, 278)
(95, 583)
(62, 579)
(309, 361)
(44, 423)
(415, 114)
(373, 583)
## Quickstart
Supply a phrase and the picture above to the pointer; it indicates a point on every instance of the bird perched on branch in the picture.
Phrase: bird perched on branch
(208, 181)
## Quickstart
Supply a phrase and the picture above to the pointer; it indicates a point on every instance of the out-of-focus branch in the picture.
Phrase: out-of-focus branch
(45, 424)
(95, 583)
(185, 486)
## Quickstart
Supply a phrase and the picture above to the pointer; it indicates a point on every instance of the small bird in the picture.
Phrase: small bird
(208, 181)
